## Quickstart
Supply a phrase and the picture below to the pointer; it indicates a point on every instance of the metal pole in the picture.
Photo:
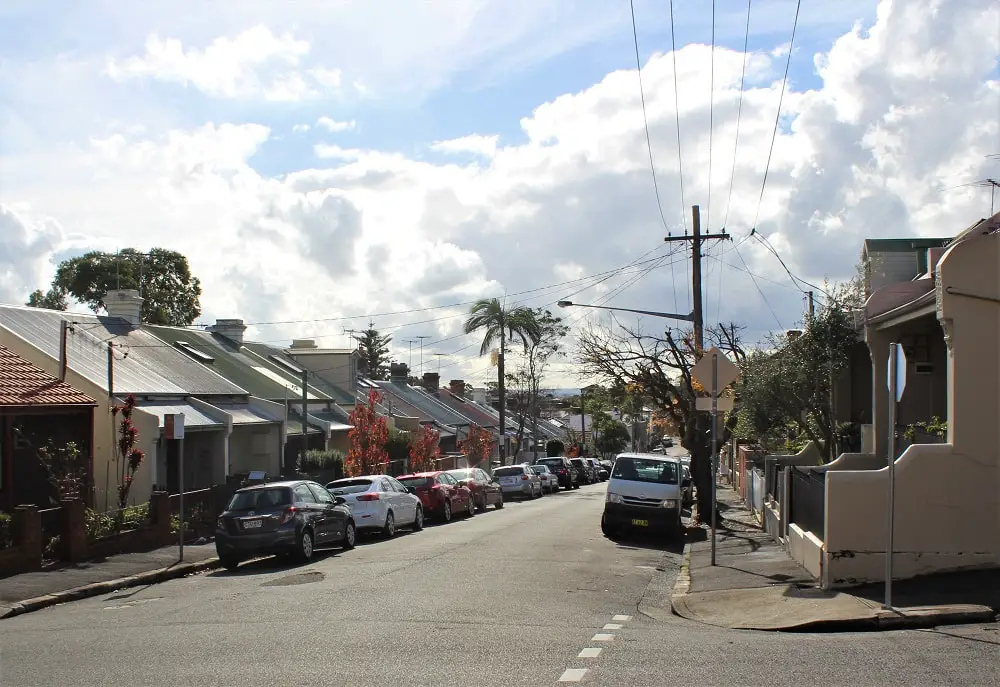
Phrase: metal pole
(180, 498)
(699, 316)
(893, 361)
(715, 440)
(305, 417)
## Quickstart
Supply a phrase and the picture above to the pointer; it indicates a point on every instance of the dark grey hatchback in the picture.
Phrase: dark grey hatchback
(283, 518)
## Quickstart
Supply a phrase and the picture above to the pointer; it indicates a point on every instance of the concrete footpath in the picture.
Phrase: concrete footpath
(34, 590)
(755, 585)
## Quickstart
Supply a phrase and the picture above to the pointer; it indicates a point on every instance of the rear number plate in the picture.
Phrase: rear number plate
(640, 523)
(252, 524)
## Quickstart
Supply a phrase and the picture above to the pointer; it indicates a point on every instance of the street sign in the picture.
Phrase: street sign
(724, 404)
(900, 371)
(173, 426)
(702, 370)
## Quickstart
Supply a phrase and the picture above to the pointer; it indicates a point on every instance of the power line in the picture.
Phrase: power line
(754, 274)
(777, 117)
(649, 146)
(711, 123)
(680, 157)
(794, 279)
(759, 290)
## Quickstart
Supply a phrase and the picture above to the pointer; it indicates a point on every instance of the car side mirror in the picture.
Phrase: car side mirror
(339, 500)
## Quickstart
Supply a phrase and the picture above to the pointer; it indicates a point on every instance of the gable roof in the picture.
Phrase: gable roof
(469, 409)
(278, 357)
(23, 384)
(426, 404)
(144, 365)
(260, 376)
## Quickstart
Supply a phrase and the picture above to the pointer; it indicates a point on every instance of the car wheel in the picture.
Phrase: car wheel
(350, 535)
(446, 512)
(471, 505)
(500, 502)
(304, 553)
(230, 562)
(607, 530)
(418, 520)
(389, 530)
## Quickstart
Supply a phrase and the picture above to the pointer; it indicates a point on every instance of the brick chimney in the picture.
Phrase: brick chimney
(231, 329)
(399, 372)
(793, 334)
(125, 304)
(300, 344)
(432, 382)
(457, 387)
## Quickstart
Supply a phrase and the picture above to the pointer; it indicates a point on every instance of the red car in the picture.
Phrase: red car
(440, 494)
(485, 490)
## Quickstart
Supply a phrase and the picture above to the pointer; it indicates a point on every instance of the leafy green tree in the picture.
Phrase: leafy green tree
(500, 325)
(374, 349)
(612, 437)
(53, 299)
(789, 387)
(171, 294)
(526, 379)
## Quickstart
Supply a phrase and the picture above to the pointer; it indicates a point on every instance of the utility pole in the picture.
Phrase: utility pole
(305, 416)
(696, 240)
(812, 305)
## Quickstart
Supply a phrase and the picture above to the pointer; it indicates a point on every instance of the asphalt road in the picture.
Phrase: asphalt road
(510, 597)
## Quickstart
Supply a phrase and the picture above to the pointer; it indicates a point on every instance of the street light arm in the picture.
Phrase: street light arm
(651, 313)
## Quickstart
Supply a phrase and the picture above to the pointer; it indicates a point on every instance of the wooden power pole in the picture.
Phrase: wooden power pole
(696, 240)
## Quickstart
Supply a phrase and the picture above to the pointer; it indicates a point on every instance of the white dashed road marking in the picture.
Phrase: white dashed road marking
(577, 674)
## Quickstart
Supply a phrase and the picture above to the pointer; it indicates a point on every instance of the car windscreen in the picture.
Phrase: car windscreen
(461, 474)
(508, 472)
(261, 499)
(348, 486)
(416, 481)
(645, 470)
(556, 462)
(540, 469)
(577, 462)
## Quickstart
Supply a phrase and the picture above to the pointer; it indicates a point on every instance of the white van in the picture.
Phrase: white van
(644, 492)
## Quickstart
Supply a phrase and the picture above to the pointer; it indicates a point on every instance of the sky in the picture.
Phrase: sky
(324, 165)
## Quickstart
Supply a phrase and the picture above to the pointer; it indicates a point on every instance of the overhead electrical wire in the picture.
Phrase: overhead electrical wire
(649, 145)
(680, 156)
(777, 117)
(753, 278)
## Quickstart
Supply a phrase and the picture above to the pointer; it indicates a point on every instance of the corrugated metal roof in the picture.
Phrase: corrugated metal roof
(469, 409)
(193, 418)
(393, 403)
(258, 375)
(23, 384)
(434, 409)
(245, 415)
(270, 353)
(143, 363)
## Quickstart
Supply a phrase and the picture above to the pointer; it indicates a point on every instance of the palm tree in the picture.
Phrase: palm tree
(498, 324)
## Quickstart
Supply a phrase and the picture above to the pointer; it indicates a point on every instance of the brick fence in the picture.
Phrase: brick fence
(25, 553)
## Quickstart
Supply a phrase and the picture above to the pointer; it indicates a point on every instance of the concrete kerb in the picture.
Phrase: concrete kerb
(98, 588)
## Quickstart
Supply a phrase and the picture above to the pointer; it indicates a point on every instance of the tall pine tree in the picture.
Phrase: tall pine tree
(374, 349)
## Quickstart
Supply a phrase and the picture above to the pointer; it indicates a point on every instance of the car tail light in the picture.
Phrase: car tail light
(524, 477)
(561, 472)
(287, 515)
(370, 497)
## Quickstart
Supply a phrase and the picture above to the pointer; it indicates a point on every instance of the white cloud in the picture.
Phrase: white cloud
(868, 152)
(256, 63)
(300, 128)
(474, 143)
(333, 125)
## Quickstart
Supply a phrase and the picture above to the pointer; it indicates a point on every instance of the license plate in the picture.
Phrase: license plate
(252, 524)
(640, 523)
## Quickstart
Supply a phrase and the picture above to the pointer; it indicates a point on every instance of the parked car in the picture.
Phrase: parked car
(485, 490)
(549, 479)
(596, 467)
(379, 502)
(518, 480)
(644, 492)
(440, 494)
(292, 518)
(564, 470)
(606, 465)
(668, 442)
(584, 470)
(687, 485)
